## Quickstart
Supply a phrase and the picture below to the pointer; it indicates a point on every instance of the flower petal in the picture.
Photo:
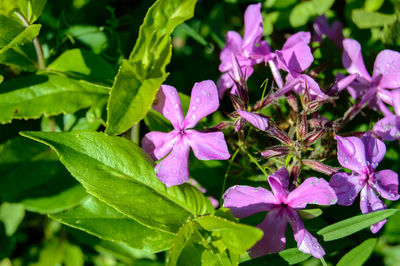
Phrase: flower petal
(351, 153)
(312, 191)
(174, 169)
(158, 144)
(232, 46)
(279, 191)
(369, 203)
(274, 228)
(296, 53)
(374, 150)
(352, 59)
(306, 243)
(387, 184)
(282, 176)
(169, 105)
(208, 146)
(224, 83)
(396, 101)
(253, 28)
(257, 120)
(387, 65)
(244, 201)
(203, 101)
(346, 187)
(388, 128)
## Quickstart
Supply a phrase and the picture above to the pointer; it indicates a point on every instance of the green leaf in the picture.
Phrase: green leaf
(73, 255)
(84, 64)
(99, 219)
(8, 6)
(1, 78)
(33, 96)
(31, 9)
(352, 225)
(119, 173)
(310, 213)
(368, 19)
(303, 11)
(30, 174)
(13, 34)
(11, 215)
(20, 57)
(373, 5)
(209, 238)
(358, 255)
(140, 77)
(92, 36)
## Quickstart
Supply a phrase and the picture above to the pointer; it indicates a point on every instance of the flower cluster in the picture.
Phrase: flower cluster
(291, 191)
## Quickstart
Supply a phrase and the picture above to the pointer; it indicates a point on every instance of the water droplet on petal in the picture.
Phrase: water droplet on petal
(194, 108)
(359, 160)
(209, 94)
(204, 93)
(194, 116)
(176, 106)
(197, 100)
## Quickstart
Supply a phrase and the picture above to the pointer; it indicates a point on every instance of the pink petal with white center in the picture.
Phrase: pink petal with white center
(312, 191)
(257, 120)
(253, 28)
(233, 46)
(374, 150)
(244, 201)
(169, 105)
(387, 184)
(296, 53)
(346, 187)
(274, 228)
(369, 203)
(352, 59)
(351, 153)
(174, 169)
(387, 65)
(158, 144)
(203, 101)
(207, 145)
(306, 243)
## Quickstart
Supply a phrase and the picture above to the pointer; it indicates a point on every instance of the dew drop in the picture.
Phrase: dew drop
(359, 160)
(194, 116)
(209, 94)
(204, 93)
(346, 162)
(174, 171)
(197, 100)
(166, 112)
(194, 108)
(176, 106)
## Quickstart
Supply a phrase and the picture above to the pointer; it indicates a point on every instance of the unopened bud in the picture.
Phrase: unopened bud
(292, 101)
(275, 151)
(303, 125)
(320, 167)
(237, 103)
(314, 136)
(278, 133)
(295, 173)
(314, 106)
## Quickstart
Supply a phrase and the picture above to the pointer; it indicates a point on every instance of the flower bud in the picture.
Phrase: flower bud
(320, 167)
(314, 136)
(303, 125)
(275, 151)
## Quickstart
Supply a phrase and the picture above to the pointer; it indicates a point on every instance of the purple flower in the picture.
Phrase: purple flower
(257, 120)
(386, 74)
(282, 204)
(362, 156)
(175, 145)
(334, 32)
(248, 51)
(388, 128)
(294, 58)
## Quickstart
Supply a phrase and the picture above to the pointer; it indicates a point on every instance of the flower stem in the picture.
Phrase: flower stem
(227, 173)
(258, 165)
(323, 262)
(36, 43)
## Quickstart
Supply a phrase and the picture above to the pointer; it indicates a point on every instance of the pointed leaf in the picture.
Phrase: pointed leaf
(119, 173)
(358, 255)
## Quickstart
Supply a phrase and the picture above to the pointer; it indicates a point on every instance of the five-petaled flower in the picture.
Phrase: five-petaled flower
(282, 204)
(362, 156)
(248, 51)
(175, 145)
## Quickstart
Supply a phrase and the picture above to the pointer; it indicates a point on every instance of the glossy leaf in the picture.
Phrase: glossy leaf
(118, 172)
(13, 34)
(358, 255)
(37, 95)
(352, 225)
(31, 9)
(369, 19)
(99, 219)
(31, 175)
(140, 77)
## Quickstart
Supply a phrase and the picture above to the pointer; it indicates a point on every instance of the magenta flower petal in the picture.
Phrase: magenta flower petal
(351, 153)
(244, 201)
(207, 146)
(352, 59)
(312, 191)
(158, 144)
(306, 243)
(387, 184)
(387, 64)
(346, 187)
(274, 228)
(257, 120)
(224, 83)
(296, 53)
(203, 101)
(334, 32)
(344, 82)
(282, 176)
(370, 202)
(388, 128)
(169, 105)
(174, 169)
(253, 28)
(374, 150)
(279, 191)
(395, 94)
(233, 46)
